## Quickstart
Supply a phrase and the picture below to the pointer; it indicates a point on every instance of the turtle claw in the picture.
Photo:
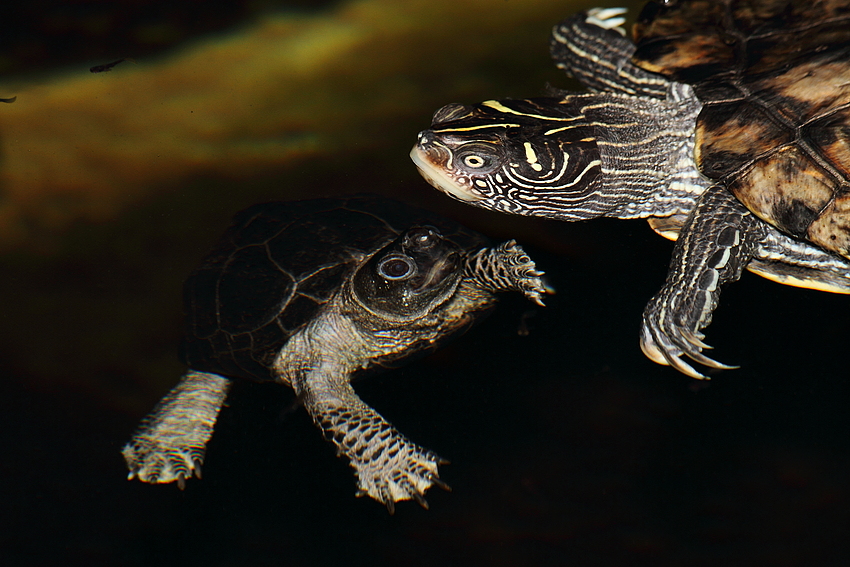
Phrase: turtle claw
(608, 18)
(667, 354)
(664, 341)
(440, 484)
(420, 500)
(153, 462)
(710, 362)
(695, 339)
(410, 492)
(398, 471)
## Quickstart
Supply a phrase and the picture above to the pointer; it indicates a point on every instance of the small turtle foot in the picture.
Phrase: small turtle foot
(150, 461)
(170, 443)
(388, 466)
(400, 471)
(507, 267)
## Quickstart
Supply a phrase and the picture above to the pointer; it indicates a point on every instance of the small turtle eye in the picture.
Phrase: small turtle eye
(422, 238)
(396, 267)
(474, 161)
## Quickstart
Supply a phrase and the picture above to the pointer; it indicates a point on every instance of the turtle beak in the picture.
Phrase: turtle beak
(432, 161)
(436, 273)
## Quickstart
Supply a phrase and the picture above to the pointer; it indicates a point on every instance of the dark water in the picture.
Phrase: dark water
(567, 446)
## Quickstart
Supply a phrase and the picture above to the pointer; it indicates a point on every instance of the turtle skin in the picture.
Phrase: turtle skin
(774, 80)
(308, 294)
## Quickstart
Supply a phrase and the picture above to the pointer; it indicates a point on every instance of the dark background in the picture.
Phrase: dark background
(567, 445)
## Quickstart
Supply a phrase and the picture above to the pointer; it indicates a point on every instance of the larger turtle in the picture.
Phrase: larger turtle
(309, 293)
(725, 123)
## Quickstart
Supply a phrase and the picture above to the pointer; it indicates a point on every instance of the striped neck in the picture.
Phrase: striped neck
(572, 157)
(646, 147)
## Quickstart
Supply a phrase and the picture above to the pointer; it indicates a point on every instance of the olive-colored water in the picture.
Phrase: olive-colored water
(568, 447)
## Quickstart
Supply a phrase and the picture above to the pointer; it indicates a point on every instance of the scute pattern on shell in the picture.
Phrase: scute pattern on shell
(276, 266)
(774, 78)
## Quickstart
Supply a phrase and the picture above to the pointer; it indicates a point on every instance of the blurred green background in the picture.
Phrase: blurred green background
(567, 445)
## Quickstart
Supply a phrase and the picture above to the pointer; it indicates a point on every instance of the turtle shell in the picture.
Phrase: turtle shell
(276, 266)
(774, 79)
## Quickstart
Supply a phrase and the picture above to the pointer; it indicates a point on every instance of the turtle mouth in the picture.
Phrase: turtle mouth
(437, 273)
(428, 162)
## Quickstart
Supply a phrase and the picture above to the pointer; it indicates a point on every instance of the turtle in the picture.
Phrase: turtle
(309, 294)
(725, 124)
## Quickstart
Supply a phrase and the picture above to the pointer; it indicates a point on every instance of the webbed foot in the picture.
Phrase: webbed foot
(388, 466)
(150, 461)
(170, 443)
(399, 471)
(508, 268)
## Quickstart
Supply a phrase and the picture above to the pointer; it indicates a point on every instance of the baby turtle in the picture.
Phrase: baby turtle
(728, 127)
(308, 293)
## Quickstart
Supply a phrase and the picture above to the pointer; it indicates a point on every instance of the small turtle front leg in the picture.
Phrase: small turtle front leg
(507, 268)
(715, 245)
(388, 466)
(171, 441)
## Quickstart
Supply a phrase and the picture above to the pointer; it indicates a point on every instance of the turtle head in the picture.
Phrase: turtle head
(410, 277)
(534, 157)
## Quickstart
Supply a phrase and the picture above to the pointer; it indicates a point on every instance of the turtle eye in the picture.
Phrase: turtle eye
(396, 267)
(474, 161)
(478, 157)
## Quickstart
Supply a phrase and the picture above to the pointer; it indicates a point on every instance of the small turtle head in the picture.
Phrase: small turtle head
(533, 157)
(411, 276)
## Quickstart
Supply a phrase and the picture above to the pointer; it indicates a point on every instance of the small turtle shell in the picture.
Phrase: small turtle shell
(774, 79)
(277, 265)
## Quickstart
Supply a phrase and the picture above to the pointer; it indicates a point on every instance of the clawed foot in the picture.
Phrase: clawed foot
(151, 462)
(171, 442)
(524, 272)
(608, 18)
(664, 340)
(508, 268)
(403, 471)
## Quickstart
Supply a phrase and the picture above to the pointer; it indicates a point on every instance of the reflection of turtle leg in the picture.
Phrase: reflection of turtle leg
(389, 467)
(592, 48)
(709, 253)
(172, 439)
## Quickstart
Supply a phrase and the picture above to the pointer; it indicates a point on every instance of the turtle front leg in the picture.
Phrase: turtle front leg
(171, 441)
(715, 245)
(507, 268)
(591, 46)
(388, 466)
